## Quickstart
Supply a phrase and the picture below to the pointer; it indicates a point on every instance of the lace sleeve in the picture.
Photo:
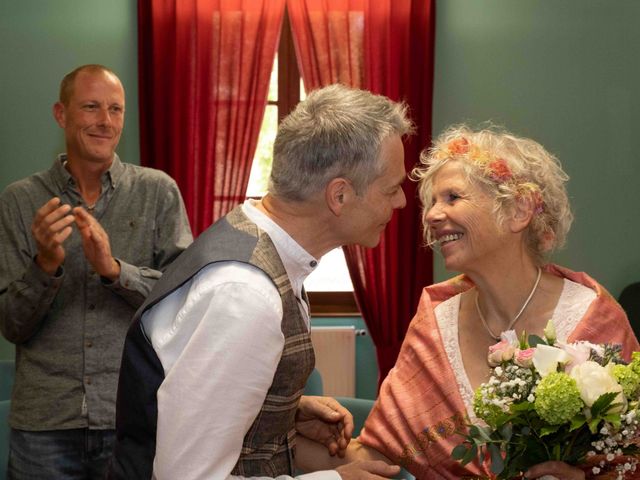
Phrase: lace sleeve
(447, 317)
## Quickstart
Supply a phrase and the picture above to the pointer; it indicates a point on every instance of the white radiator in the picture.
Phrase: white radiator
(335, 349)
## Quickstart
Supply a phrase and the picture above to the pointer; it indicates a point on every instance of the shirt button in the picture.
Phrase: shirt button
(89, 344)
(92, 307)
(87, 380)
(313, 264)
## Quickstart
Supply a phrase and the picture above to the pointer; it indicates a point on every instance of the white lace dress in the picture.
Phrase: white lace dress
(572, 305)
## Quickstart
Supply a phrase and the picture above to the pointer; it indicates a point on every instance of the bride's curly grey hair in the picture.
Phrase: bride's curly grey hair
(508, 168)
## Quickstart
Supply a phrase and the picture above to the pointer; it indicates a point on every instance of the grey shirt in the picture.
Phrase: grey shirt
(69, 329)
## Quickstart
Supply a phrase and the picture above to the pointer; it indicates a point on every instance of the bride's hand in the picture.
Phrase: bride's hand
(559, 470)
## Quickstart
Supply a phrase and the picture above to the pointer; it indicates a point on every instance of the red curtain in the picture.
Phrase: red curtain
(328, 37)
(386, 46)
(204, 69)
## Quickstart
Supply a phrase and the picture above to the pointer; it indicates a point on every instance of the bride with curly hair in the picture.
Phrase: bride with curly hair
(495, 206)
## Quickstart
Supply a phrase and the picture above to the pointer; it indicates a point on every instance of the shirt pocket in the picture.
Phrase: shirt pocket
(133, 240)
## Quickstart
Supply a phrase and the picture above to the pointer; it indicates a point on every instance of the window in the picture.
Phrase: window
(329, 287)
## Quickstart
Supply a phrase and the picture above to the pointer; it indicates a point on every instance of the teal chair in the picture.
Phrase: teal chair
(7, 374)
(314, 384)
(360, 408)
(4, 438)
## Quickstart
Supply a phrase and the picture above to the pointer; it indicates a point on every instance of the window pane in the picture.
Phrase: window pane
(332, 274)
(273, 82)
(261, 167)
(303, 92)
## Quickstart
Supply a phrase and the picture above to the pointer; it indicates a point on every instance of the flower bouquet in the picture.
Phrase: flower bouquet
(549, 400)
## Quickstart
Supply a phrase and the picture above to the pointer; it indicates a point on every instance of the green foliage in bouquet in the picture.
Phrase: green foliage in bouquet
(535, 411)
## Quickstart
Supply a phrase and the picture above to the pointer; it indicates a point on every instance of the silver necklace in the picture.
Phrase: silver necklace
(515, 319)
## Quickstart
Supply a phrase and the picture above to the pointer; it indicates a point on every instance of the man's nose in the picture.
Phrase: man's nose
(104, 116)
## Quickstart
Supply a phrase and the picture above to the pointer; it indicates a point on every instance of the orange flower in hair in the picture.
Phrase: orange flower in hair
(499, 171)
(458, 146)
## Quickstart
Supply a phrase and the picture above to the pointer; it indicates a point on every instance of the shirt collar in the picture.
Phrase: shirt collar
(63, 178)
(297, 262)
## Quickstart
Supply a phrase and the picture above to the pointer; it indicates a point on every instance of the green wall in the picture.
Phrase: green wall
(42, 41)
(566, 73)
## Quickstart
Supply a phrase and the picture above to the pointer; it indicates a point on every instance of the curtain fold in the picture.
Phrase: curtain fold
(387, 47)
(204, 69)
(328, 38)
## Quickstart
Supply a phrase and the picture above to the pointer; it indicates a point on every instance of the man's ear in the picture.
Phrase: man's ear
(522, 213)
(59, 114)
(337, 194)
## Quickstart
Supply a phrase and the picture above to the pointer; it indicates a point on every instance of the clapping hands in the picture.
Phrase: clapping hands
(52, 226)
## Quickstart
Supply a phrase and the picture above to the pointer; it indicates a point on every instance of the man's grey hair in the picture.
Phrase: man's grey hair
(335, 132)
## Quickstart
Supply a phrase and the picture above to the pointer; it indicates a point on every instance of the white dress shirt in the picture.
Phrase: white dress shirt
(219, 340)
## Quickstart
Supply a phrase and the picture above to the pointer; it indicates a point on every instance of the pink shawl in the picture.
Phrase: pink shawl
(420, 409)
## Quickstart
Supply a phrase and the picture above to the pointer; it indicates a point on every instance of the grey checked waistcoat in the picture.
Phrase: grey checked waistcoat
(268, 446)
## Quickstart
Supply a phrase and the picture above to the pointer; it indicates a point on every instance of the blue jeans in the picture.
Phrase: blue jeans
(59, 454)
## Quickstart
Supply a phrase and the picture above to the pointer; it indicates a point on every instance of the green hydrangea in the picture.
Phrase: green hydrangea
(628, 378)
(484, 409)
(557, 398)
(635, 362)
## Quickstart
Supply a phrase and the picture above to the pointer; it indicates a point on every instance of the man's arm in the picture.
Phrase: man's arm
(311, 456)
(134, 282)
(217, 379)
(30, 277)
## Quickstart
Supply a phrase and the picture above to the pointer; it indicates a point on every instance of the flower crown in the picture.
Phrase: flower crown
(494, 168)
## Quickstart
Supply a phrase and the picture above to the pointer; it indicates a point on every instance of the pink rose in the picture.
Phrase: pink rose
(524, 358)
(500, 352)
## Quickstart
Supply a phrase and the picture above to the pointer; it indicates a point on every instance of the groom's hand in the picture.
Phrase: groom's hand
(324, 420)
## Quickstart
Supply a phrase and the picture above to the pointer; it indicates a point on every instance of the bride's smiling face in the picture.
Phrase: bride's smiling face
(462, 220)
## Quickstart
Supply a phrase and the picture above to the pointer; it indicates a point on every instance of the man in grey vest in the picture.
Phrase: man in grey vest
(217, 357)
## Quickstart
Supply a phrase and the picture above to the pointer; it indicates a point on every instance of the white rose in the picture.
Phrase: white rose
(594, 380)
(550, 332)
(578, 351)
(546, 359)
